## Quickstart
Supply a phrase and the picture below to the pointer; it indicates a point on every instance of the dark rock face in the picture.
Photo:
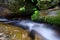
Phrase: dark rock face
(4, 12)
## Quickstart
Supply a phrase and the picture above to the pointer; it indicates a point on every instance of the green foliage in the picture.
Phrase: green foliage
(15, 5)
(47, 18)
(22, 9)
(35, 15)
(45, 4)
(32, 0)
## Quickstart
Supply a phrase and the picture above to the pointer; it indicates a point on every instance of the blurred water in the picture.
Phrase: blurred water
(45, 30)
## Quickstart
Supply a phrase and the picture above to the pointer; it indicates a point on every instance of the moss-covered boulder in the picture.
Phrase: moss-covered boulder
(52, 17)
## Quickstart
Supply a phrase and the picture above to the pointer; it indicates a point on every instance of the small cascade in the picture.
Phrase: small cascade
(46, 30)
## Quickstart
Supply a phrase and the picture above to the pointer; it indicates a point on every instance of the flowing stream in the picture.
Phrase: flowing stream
(46, 30)
(50, 32)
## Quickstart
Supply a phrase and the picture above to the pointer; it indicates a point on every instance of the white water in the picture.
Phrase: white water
(41, 28)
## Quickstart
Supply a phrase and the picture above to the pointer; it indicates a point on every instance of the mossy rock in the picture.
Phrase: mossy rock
(52, 17)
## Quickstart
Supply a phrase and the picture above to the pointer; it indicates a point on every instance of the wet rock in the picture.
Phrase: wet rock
(4, 12)
(10, 32)
(52, 17)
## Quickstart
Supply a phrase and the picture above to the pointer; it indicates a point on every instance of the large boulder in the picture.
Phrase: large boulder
(52, 17)
(4, 12)
(10, 8)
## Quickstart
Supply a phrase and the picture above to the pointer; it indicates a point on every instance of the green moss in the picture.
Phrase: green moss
(53, 19)
(47, 18)
(35, 15)
(22, 9)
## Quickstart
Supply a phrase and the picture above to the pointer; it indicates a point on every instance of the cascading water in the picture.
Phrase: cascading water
(45, 30)
(41, 28)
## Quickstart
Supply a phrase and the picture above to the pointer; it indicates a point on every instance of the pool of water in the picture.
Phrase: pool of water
(46, 30)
